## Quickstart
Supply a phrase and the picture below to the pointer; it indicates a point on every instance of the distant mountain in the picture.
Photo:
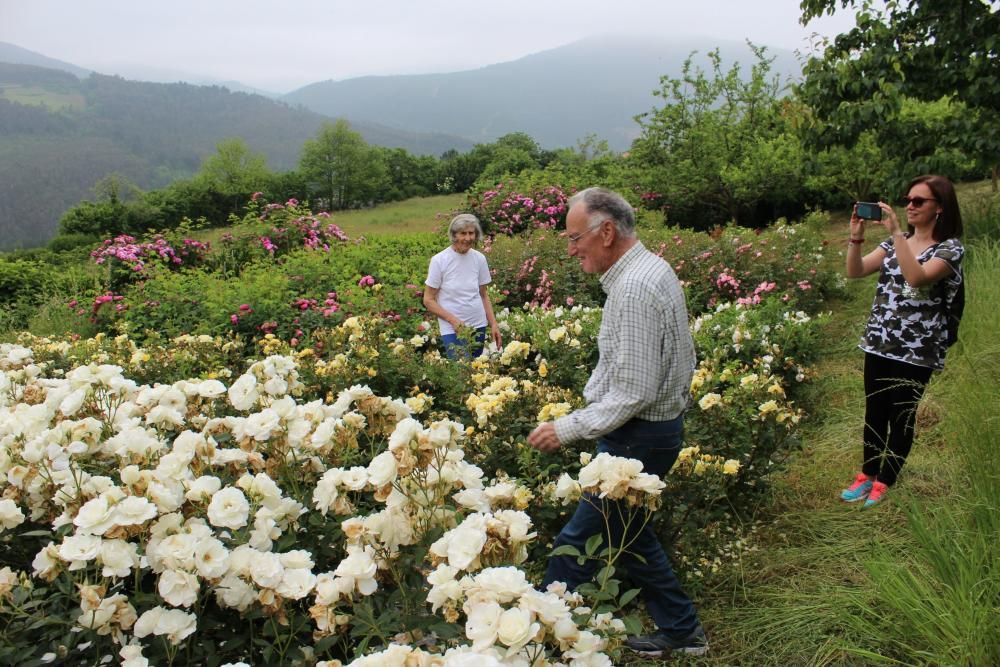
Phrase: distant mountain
(11, 53)
(594, 86)
(60, 135)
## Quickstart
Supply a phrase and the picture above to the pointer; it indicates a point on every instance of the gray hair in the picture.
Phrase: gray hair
(463, 221)
(603, 204)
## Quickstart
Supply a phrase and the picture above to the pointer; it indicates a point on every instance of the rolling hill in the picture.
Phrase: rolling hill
(59, 135)
(593, 86)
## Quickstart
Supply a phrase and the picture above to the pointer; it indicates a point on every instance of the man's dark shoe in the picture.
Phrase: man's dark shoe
(659, 644)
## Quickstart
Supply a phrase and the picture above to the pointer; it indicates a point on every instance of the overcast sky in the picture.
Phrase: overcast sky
(281, 45)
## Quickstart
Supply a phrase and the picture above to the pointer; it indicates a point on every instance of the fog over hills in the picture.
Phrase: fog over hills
(558, 96)
(11, 53)
(63, 128)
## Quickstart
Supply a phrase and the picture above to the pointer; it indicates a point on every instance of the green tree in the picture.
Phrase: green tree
(408, 175)
(341, 168)
(721, 148)
(920, 49)
(234, 171)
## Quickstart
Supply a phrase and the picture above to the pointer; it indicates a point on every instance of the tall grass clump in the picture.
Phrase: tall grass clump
(937, 603)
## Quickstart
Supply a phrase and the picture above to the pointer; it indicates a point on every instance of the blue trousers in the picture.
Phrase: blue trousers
(456, 348)
(656, 444)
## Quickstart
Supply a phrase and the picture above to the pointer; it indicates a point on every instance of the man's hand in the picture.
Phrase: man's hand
(544, 438)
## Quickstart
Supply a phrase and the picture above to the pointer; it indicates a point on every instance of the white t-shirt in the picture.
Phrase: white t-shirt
(458, 277)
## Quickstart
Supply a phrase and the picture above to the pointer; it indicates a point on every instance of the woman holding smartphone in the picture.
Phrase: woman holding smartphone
(905, 340)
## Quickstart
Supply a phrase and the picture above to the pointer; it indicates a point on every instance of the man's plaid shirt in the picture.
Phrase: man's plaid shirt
(646, 352)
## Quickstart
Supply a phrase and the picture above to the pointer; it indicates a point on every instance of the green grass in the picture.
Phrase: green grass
(912, 582)
(43, 97)
(420, 214)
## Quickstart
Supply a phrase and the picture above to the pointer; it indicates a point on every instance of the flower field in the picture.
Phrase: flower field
(297, 476)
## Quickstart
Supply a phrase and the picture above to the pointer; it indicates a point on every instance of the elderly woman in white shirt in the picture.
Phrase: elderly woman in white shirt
(455, 290)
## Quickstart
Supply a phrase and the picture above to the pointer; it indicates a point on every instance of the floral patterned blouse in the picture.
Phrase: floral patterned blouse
(910, 324)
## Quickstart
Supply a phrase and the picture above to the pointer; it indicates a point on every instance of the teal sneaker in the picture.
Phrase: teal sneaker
(859, 490)
(876, 495)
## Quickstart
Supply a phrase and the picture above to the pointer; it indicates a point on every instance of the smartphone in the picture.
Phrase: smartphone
(868, 210)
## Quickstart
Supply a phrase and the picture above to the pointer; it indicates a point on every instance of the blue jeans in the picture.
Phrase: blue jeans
(455, 348)
(656, 444)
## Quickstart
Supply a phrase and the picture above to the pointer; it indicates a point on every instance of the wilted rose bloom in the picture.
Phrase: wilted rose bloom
(112, 611)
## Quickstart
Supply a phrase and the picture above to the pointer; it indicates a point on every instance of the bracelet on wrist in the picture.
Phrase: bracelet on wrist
(857, 241)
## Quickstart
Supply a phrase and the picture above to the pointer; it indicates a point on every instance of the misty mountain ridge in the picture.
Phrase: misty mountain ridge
(558, 96)
(64, 128)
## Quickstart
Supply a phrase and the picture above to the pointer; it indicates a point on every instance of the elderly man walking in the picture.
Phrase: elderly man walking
(636, 398)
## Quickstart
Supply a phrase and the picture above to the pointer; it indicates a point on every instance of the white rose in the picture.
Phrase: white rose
(134, 511)
(73, 402)
(266, 570)
(46, 562)
(355, 478)
(162, 415)
(229, 509)
(175, 624)
(95, 517)
(211, 389)
(235, 593)
(243, 393)
(261, 425)
(382, 469)
(406, 430)
(77, 550)
(359, 568)
(567, 488)
(10, 514)
(276, 387)
(474, 499)
(296, 559)
(296, 583)
(178, 588)
(482, 623)
(201, 489)
(515, 628)
(118, 558)
(211, 558)
(503, 584)
(463, 544)
(131, 655)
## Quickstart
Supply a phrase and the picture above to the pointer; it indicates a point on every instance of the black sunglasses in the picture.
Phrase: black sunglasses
(916, 201)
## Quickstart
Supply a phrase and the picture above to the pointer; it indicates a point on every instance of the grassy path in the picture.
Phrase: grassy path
(914, 581)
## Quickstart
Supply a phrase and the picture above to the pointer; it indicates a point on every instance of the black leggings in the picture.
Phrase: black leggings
(892, 391)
